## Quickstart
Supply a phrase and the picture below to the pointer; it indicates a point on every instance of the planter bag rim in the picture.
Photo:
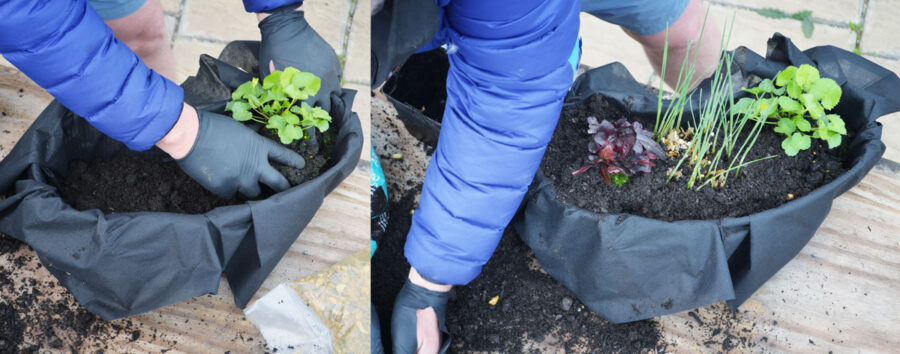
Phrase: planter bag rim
(122, 264)
(620, 267)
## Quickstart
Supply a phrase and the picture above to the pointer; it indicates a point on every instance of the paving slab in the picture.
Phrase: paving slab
(358, 53)
(218, 20)
(752, 30)
(171, 6)
(882, 28)
(329, 19)
(833, 10)
(604, 43)
(187, 55)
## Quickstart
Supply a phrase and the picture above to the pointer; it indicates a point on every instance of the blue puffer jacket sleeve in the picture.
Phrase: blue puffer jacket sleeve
(65, 47)
(267, 5)
(508, 77)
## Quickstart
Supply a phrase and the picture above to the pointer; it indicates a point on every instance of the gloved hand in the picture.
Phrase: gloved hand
(228, 157)
(403, 320)
(288, 40)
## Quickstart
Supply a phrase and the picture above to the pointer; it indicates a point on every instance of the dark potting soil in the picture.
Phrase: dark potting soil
(422, 83)
(37, 315)
(534, 312)
(759, 186)
(131, 183)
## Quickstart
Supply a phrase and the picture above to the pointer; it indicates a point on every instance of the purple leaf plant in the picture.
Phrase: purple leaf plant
(620, 147)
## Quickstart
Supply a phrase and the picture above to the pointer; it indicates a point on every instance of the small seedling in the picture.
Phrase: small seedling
(804, 16)
(278, 104)
(796, 96)
(857, 28)
(620, 149)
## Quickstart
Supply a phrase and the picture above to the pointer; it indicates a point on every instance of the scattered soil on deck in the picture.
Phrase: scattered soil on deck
(39, 314)
(759, 186)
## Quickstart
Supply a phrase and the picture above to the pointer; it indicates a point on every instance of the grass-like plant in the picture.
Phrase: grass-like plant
(716, 148)
(278, 103)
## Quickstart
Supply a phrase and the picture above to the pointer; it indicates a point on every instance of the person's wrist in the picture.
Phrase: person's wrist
(418, 279)
(181, 138)
(260, 16)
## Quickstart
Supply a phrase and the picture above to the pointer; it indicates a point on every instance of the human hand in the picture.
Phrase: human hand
(417, 322)
(225, 156)
(288, 40)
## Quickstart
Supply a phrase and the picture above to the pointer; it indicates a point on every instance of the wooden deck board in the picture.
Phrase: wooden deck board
(839, 294)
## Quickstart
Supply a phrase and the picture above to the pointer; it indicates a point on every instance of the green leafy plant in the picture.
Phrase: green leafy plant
(278, 104)
(804, 16)
(797, 98)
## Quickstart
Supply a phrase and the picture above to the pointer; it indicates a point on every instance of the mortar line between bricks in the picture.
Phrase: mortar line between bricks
(863, 12)
(177, 28)
(345, 40)
(203, 38)
(356, 82)
(815, 19)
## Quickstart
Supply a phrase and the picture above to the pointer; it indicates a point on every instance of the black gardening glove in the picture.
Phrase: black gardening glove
(403, 320)
(288, 40)
(228, 157)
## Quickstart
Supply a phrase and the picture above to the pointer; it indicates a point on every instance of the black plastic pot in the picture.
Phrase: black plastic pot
(626, 267)
(129, 263)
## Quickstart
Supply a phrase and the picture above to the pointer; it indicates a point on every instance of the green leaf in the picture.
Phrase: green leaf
(779, 91)
(794, 90)
(276, 123)
(290, 118)
(753, 91)
(807, 25)
(767, 107)
(274, 95)
(288, 76)
(834, 140)
(766, 85)
(308, 81)
(836, 124)
(789, 105)
(294, 132)
(295, 109)
(242, 90)
(272, 80)
(785, 126)
(812, 106)
(619, 178)
(802, 124)
(801, 15)
(785, 76)
(286, 135)
(743, 106)
(806, 75)
(827, 91)
(240, 110)
(794, 143)
(772, 13)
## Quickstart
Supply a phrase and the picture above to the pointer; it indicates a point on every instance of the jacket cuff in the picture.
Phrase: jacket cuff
(269, 5)
(171, 105)
(435, 267)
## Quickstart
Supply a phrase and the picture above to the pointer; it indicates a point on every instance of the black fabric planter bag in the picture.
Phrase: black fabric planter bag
(628, 268)
(131, 263)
